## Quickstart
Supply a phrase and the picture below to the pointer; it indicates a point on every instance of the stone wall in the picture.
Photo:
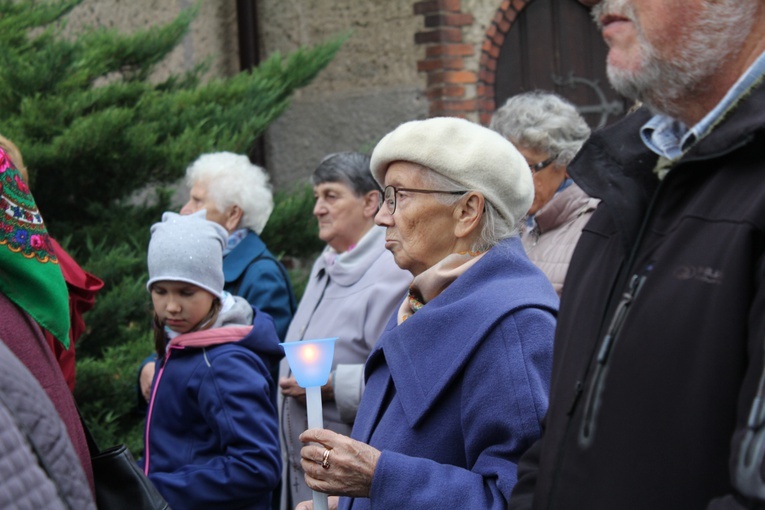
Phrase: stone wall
(212, 37)
(371, 86)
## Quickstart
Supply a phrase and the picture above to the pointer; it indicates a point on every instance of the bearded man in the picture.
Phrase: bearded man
(658, 390)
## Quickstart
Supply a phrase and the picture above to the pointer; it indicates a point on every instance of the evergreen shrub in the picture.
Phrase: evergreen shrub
(95, 128)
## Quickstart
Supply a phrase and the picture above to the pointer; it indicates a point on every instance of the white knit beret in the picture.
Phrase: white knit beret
(187, 249)
(476, 157)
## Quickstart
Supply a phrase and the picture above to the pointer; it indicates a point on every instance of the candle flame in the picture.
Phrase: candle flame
(309, 353)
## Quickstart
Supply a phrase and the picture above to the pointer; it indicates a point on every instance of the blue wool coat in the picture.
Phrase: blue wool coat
(252, 272)
(456, 393)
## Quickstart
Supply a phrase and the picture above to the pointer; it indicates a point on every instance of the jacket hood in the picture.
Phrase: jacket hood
(241, 323)
(237, 261)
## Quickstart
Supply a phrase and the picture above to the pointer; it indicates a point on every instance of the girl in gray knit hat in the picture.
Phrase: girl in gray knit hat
(211, 429)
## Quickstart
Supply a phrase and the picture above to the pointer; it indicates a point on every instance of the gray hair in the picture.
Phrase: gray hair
(542, 121)
(231, 179)
(494, 228)
(349, 168)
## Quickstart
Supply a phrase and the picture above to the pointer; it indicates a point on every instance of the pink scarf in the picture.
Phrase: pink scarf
(430, 283)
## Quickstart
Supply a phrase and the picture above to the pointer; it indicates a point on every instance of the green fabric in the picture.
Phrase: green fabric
(29, 272)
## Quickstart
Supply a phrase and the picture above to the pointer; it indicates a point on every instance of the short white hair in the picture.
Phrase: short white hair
(232, 179)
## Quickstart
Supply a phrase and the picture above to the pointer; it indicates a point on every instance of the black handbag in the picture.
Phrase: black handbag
(120, 483)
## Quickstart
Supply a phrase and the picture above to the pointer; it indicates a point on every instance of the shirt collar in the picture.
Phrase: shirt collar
(670, 138)
(236, 237)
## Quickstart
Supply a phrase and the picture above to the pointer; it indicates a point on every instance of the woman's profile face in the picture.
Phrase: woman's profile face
(546, 181)
(420, 232)
(340, 213)
(199, 199)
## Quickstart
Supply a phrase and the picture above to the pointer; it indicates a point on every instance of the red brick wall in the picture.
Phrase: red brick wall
(451, 89)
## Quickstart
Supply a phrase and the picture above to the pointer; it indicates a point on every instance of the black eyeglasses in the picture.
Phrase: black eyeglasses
(538, 167)
(390, 193)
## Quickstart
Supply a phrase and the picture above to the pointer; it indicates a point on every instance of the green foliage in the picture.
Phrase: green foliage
(293, 235)
(106, 393)
(95, 129)
(90, 124)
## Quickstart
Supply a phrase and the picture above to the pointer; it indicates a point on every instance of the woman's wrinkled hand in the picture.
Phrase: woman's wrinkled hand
(332, 503)
(350, 464)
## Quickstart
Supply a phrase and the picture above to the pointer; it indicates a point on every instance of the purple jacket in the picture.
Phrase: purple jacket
(456, 393)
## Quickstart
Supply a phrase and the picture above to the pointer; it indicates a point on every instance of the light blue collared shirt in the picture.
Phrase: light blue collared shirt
(670, 138)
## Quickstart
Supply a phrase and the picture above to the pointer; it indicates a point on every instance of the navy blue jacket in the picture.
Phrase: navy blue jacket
(211, 430)
(252, 272)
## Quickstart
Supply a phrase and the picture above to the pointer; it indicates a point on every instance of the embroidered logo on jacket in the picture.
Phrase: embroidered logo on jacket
(699, 273)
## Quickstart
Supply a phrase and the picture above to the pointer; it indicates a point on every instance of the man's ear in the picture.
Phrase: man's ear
(233, 217)
(468, 214)
(371, 203)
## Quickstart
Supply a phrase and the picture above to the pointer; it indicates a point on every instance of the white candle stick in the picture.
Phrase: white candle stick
(315, 421)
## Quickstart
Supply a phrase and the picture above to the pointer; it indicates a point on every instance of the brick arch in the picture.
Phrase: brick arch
(487, 64)
(452, 89)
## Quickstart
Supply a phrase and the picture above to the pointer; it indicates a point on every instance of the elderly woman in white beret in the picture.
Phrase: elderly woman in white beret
(457, 384)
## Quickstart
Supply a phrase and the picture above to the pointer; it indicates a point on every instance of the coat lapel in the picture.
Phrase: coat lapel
(371, 407)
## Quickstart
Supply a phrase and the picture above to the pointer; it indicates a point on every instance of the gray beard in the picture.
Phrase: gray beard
(666, 85)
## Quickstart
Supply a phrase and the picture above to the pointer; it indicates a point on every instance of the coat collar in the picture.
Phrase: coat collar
(351, 266)
(236, 262)
(615, 166)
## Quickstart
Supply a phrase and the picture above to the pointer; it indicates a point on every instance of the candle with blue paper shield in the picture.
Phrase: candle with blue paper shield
(311, 363)
(310, 360)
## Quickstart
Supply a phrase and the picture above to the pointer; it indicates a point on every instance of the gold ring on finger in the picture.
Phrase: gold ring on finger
(325, 459)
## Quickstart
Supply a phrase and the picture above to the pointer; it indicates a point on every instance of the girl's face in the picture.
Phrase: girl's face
(179, 305)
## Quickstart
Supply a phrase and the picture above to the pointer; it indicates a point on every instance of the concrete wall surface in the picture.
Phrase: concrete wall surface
(370, 87)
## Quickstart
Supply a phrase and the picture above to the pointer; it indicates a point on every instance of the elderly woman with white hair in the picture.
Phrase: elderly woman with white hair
(237, 196)
(548, 131)
(457, 384)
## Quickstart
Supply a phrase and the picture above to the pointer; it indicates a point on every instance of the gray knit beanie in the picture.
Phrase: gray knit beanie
(468, 153)
(187, 249)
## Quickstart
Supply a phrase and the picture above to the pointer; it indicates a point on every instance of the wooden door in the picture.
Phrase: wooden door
(554, 45)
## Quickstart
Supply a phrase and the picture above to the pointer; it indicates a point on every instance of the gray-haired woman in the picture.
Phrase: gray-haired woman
(548, 131)
(353, 289)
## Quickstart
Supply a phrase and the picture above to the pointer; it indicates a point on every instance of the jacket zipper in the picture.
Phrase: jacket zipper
(587, 431)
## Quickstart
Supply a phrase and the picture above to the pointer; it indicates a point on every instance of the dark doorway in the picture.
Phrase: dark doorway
(554, 45)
